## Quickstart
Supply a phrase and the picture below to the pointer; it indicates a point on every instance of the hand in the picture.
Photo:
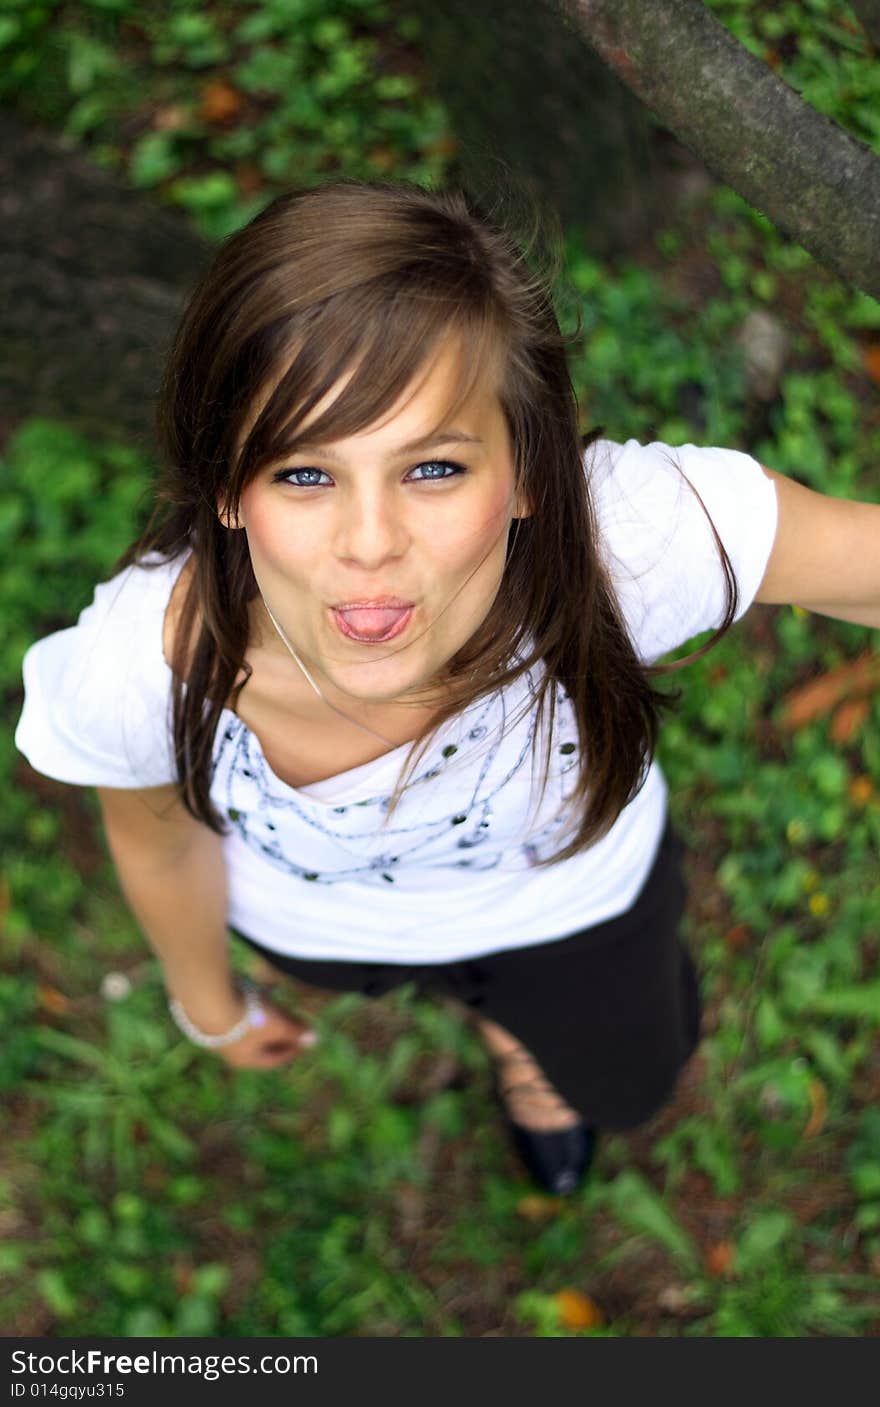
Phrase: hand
(277, 1042)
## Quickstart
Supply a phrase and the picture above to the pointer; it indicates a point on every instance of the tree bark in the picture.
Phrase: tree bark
(816, 183)
(535, 111)
(92, 280)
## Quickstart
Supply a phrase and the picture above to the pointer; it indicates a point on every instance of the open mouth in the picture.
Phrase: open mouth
(373, 625)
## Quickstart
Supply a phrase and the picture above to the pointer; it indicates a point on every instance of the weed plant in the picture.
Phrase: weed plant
(146, 1189)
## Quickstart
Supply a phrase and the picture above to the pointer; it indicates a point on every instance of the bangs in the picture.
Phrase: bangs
(404, 336)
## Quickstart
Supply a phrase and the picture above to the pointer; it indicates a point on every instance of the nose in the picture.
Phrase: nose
(371, 526)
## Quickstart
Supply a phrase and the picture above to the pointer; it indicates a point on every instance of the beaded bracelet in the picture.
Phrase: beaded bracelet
(254, 1015)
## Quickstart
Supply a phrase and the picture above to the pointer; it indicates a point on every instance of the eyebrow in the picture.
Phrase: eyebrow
(445, 437)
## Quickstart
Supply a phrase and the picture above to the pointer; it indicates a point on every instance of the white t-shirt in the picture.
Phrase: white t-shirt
(310, 871)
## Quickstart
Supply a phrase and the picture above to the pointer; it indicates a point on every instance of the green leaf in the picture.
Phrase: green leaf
(859, 1002)
(207, 192)
(866, 1180)
(762, 1239)
(145, 1322)
(74, 1049)
(13, 1257)
(154, 158)
(770, 1027)
(54, 1290)
(211, 1280)
(639, 1208)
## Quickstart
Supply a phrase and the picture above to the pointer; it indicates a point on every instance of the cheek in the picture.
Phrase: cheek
(272, 536)
(471, 532)
(488, 527)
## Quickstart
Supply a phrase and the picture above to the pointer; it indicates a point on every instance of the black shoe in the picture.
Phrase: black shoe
(557, 1161)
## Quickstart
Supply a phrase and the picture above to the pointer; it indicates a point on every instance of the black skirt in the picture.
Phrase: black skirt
(610, 1013)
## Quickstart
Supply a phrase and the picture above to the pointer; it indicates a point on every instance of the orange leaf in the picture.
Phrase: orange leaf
(578, 1311)
(249, 177)
(220, 102)
(871, 359)
(818, 1108)
(848, 719)
(443, 146)
(538, 1208)
(51, 999)
(822, 695)
(382, 158)
(861, 789)
(738, 938)
(719, 1258)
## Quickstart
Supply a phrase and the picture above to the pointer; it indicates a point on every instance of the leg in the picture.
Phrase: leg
(530, 1099)
(611, 1014)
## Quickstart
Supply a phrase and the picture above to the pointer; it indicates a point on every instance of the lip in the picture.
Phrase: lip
(376, 603)
(397, 629)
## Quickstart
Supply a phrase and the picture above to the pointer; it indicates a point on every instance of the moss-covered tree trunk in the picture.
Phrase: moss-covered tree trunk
(92, 280)
(816, 183)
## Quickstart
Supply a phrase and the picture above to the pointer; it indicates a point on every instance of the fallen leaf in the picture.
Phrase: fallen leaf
(818, 1108)
(51, 999)
(443, 146)
(675, 1298)
(821, 696)
(577, 1310)
(848, 719)
(738, 938)
(719, 1258)
(538, 1208)
(382, 158)
(861, 789)
(220, 101)
(871, 360)
(249, 177)
(171, 118)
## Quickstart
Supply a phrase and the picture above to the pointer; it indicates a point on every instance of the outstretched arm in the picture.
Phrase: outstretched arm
(826, 556)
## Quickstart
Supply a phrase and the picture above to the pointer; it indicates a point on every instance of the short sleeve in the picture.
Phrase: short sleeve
(97, 695)
(657, 540)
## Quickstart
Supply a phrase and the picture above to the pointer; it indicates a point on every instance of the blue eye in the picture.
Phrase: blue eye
(291, 476)
(440, 464)
(286, 476)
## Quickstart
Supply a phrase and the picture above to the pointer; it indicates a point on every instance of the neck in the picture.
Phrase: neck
(364, 727)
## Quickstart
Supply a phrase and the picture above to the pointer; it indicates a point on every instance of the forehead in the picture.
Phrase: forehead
(450, 383)
(436, 393)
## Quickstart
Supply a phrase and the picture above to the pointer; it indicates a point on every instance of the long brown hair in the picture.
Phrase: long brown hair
(372, 277)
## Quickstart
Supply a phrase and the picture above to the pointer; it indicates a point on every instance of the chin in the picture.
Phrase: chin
(383, 687)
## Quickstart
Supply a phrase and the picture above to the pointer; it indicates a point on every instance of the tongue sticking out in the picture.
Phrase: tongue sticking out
(372, 623)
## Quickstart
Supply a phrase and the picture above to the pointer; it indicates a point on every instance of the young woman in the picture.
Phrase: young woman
(375, 688)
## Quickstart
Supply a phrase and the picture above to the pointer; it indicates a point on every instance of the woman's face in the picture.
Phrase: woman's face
(378, 516)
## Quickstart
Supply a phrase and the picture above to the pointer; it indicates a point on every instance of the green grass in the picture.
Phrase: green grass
(145, 1188)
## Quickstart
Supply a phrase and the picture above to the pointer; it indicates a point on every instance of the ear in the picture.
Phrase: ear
(522, 506)
(222, 514)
